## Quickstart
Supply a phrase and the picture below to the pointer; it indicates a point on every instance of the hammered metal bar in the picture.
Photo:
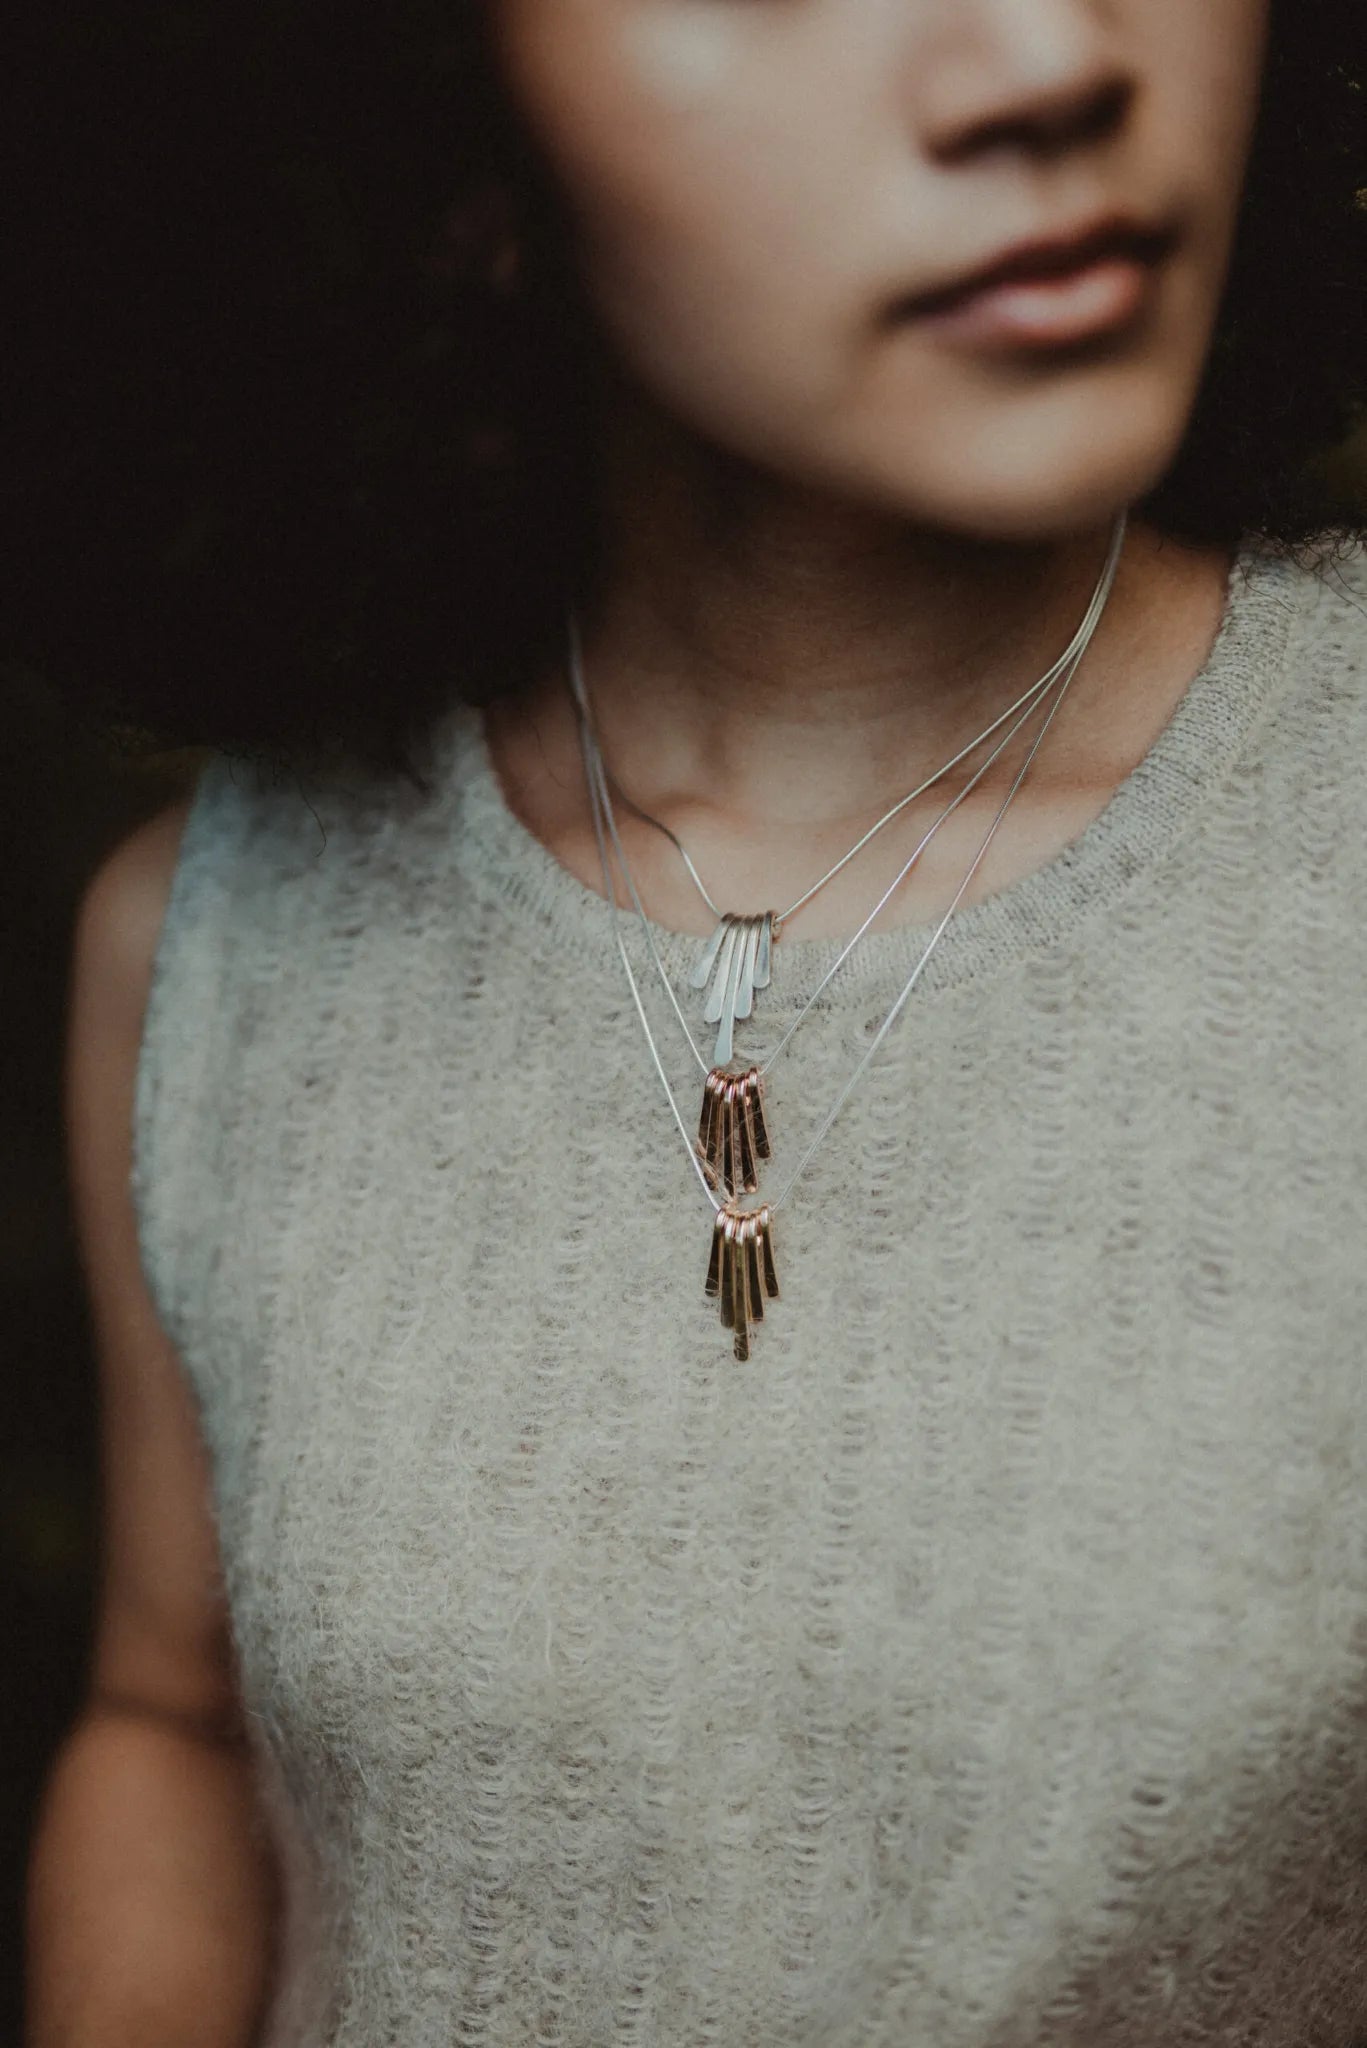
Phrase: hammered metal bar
(745, 1138)
(728, 1273)
(766, 1235)
(725, 1132)
(724, 1050)
(742, 1290)
(707, 959)
(714, 1263)
(707, 1120)
(749, 1087)
(764, 954)
(745, 982)
(756, 1293)
(712, 1009)
(761, 1121)
(731, 1170)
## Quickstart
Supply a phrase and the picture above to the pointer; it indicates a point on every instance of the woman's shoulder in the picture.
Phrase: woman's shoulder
(1314, 640)
(279, 872)
(255, 827)
(1307, 777)
(1330, 579)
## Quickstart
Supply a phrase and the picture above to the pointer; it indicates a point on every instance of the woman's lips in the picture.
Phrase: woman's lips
(1045, 311)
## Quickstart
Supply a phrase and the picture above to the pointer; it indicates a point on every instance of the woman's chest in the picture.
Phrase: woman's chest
(1062, 1409)
(1027, 1548)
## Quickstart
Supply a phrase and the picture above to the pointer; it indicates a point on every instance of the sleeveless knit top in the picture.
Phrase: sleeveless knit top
(982, 1665)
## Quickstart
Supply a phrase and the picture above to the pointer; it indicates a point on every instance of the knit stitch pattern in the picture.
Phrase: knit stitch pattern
(982, 1665)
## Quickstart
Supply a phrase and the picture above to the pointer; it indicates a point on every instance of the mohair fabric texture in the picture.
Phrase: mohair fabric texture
(984, 1665)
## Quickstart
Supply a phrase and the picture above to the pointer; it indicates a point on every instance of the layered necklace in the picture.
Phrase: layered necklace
(733, 1138)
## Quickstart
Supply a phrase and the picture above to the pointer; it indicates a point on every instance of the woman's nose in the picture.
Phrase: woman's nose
(1034, 76)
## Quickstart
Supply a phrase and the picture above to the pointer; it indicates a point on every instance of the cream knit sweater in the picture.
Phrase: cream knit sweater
(984, 1665)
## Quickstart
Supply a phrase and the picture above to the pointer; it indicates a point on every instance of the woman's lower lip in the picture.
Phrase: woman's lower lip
(1043, 312)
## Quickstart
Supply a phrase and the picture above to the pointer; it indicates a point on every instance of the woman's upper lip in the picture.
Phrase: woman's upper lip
(1049, 255)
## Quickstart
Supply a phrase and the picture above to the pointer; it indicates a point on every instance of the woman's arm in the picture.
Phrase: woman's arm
(151, 1884)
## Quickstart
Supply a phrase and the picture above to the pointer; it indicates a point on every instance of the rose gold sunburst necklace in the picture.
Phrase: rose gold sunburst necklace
(733, 1134)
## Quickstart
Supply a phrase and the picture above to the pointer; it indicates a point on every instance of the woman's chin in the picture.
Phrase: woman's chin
(1034, 462)
(1017, 491)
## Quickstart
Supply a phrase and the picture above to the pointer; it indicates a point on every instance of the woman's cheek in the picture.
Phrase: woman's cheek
(681, 63)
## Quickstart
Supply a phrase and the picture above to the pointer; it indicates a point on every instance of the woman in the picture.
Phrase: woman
(942, 1617)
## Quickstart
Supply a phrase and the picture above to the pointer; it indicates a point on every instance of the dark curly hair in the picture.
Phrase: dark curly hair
(300, 455)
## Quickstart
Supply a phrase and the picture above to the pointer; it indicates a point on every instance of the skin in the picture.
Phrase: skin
(839, 542)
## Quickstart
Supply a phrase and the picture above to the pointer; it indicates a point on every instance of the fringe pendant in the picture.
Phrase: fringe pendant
(733, 1133)
(736, 960)
(741, 1272)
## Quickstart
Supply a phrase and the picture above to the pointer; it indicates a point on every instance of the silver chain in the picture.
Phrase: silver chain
(600, 803)
(1028, 697)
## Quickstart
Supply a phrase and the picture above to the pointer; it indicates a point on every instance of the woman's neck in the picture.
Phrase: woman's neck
(777, 650)
(771, 669)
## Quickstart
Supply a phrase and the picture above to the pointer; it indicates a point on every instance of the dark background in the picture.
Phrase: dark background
(67, 793)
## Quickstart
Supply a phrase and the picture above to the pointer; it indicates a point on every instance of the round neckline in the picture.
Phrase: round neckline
(1156, 803)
